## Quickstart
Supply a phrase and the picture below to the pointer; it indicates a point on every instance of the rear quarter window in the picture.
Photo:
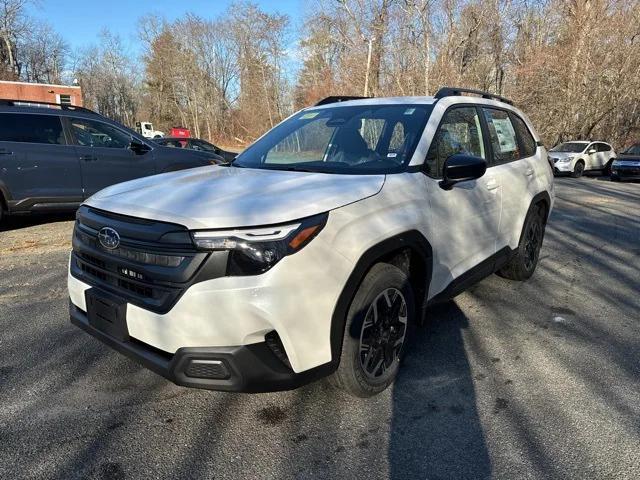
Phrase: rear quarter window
(31, 128)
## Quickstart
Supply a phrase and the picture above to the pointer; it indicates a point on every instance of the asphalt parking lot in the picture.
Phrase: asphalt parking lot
(510, 380)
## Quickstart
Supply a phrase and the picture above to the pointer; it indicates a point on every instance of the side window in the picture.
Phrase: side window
(603, 147)
(89, 133)
(459, 132)
(502, 135)
(527, 142)
(31, 128)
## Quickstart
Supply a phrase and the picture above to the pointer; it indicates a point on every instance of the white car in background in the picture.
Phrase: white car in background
(577, 157)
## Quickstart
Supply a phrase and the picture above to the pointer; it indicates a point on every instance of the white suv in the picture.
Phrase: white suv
(577, 157)
(319, 248)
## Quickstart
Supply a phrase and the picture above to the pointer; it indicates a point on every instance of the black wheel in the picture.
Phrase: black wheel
(525, 260)
(606, 171)
(378, 328)
(615, 178)
(578, 170)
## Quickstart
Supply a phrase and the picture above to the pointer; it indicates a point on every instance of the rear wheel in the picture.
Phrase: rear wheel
(525, 260)
(606, 171)
(578, 170)
(379, 326)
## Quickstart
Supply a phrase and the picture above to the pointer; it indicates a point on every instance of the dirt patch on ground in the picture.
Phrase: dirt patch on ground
(31, 238)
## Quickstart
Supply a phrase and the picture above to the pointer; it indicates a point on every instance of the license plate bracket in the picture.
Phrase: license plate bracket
(107, 313)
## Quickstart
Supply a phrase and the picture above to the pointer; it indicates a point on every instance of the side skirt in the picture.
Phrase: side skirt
(471, 277)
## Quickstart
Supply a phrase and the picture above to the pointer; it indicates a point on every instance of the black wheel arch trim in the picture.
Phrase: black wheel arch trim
(412, 239)
(544, 197)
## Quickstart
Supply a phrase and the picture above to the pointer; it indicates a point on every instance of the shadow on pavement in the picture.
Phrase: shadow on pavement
(435, 430)
(17, 222)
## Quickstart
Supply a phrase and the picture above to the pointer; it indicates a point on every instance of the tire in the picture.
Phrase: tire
(371, 356)
(615, 178)
(524, 262)
(606, 171)
(578, 169)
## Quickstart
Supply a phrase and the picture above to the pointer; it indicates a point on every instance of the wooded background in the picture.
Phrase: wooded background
(573, 66)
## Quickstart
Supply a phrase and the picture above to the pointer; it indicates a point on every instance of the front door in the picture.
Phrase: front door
(105, 156)
(465, 219)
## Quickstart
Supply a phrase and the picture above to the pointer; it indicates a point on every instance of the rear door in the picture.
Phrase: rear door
(105, 156)
(605, 152)
(514, 171)
(38, 166)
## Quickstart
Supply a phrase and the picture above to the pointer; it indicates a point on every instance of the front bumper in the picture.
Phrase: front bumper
(627, 172)
(563, 167)
(245, 368)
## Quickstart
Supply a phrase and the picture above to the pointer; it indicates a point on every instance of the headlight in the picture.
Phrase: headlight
(255, 250)
(565, 159)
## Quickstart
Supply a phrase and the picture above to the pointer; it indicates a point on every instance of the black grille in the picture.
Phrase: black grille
(138, 271)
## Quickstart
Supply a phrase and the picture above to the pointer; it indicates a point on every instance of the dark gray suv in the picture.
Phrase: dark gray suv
(52, 157)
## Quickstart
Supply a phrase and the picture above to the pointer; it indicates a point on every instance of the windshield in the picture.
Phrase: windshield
(633, 150)
(572, 147)
(367, 139)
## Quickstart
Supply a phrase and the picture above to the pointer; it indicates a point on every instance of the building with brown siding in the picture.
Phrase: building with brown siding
(41, 92)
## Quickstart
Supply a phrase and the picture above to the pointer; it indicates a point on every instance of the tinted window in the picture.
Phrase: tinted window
(202, 146)
(502, 135)
(459, 132)
(16, 127)
(527, 142)
(89, 133)
(603, 147)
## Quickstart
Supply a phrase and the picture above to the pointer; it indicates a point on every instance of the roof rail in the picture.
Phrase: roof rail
(336, 99)
(456, 92)
(37, 103)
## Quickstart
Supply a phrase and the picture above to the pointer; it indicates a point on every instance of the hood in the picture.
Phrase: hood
(227, 197)
(629, 157)
(563, 154)
(186, 153)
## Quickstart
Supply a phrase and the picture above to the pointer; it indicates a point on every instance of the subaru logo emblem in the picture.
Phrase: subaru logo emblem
(109, 238)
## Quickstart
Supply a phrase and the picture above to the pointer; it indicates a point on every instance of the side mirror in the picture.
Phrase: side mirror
(461, 168)
(592, 150)
(137, 147)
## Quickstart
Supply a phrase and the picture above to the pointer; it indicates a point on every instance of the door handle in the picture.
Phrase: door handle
(5, 152)
(88, 158)
(491, 184)
(528, 172)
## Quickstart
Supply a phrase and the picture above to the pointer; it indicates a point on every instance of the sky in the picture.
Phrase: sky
(80, 21)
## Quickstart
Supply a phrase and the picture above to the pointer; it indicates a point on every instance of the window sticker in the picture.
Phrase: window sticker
(309, 115)
(506, 134)
(409, 111)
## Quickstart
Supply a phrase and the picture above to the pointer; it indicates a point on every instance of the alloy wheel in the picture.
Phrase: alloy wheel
(383, 333)
(532, 245)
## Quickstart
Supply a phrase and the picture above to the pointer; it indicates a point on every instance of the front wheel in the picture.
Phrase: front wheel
(578, 170)
(378, 328)
(525, 260)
